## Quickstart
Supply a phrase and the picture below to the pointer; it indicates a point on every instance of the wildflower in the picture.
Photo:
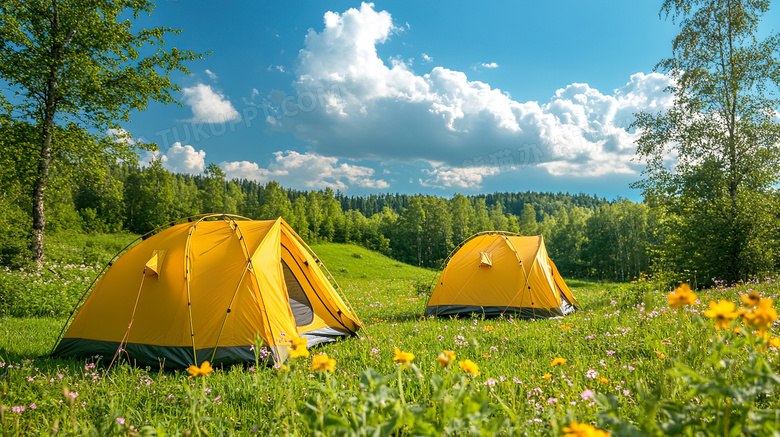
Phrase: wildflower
(446, 358)
(682, 296)
(322, 363)
(583, 430)
(774, 342)
(587, 394)
(403, 357)
(751, 299)
(660, 355)
(203, 370)
(722, 312)
(299, 348)
(33, 406)
(489, 328)
(547, 376)
(603, 380)
(469, 367)
(591, 374)
(18, 409)
(558, 362)
(762, 317)
(120, 420)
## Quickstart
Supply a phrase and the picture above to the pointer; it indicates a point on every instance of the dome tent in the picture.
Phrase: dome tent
(494, 273)
(205, 289)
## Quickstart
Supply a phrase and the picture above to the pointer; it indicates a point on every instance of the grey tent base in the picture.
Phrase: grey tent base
(325, 335)
(496, 311)
(176, 357)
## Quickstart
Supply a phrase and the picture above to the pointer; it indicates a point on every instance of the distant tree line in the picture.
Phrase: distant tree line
(586, 236)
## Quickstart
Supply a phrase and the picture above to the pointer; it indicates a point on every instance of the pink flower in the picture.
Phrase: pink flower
(18, 409)
(591, 374)
(120, 420)
(587, 394)
(33, 406)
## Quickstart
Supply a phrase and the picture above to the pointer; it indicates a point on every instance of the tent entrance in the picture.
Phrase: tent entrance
(299, 302)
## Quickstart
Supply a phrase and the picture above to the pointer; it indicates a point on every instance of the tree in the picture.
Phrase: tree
(723, 131)
(462, 214)
(79, 61)
(528, 220)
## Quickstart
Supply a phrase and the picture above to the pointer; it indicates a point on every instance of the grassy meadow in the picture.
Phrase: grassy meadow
(627, 364)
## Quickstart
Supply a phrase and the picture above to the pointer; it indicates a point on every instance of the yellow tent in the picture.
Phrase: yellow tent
(495, 273)
(204, 290)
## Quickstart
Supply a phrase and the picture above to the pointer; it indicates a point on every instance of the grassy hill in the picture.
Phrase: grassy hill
(378, 287)
(351, 262)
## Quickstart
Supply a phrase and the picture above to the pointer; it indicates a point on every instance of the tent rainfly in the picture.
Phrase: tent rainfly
(495, 273)
(206, 289)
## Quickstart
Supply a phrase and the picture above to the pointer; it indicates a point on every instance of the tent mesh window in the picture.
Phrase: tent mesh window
(299, 302)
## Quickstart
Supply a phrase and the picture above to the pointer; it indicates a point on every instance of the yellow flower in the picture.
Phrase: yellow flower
(751, 299)
(299, 348)
(723, 313)
(322, 363)
(489, 328)
(762, 317)
(682, 296)
(603, 380)
(469, 367)
(558, 362)
(583, 430)
(446, 358)
(774, 342)
(546, 376)
(203, 370)
(660, 355)
(403, 357)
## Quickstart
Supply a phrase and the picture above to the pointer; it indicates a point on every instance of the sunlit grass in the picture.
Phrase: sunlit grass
(625, 343)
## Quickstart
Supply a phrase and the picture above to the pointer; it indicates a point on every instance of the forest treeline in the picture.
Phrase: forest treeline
(586, 236)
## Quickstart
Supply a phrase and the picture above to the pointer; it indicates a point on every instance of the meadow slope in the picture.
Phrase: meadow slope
(626, 363)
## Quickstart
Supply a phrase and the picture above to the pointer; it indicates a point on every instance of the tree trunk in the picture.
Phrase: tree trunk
(47, 134)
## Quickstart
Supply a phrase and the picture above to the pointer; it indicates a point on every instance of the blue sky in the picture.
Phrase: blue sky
(414, 97)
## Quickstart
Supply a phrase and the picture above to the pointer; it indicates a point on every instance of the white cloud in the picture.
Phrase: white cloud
(178, 159)
(489, 65)
(306, 170)
(121, 136)
(427, 58)
(279, 68)
(211, 75)
(367, 109)
(209, 106)
(444, 177)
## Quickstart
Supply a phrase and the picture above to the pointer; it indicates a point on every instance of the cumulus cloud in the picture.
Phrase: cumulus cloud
(121, 136)
(211, 75)
(350, 103)
(444, 177)
(178, 159)
(488, 65)
(208, 106)
(307, 170)
(427, 58)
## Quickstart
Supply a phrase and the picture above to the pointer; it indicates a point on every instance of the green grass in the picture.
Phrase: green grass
(649, 367)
